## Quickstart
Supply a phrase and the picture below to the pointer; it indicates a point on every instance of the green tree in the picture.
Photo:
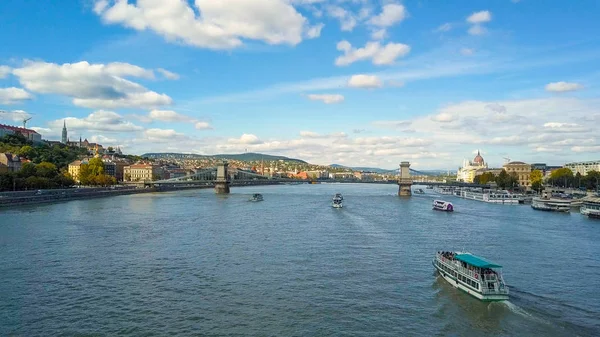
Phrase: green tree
(537, 185)
(486, 178)
(27, 170)
(96, 166)
(28, 152)
(502, 180)
(536, 175)
(46, 170)
(513, 180)
(562, 177)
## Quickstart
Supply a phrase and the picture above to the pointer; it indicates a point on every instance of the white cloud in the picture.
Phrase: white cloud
(365, 81)
(480, 17)
(392, 124)
(444, 117)
(211, 24)
(168, 116)
(91, 85)
(444, 27)
(477, 30)
(310, 134)
(563, 86)
(376, 52)
(565, 127)
(100, 120)
(163, 135)
(326, 98)
(4, 71)
(101, 139)
(203, 126)
(390, 15)
(14, 95)
(347, 19)
(167, 74)
(467, 51)
(589, 149)
(15, 115)
(245, 139)
(379, 34)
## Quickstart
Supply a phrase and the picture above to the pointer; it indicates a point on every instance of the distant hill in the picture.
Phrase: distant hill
(380, 170)
(249, 156)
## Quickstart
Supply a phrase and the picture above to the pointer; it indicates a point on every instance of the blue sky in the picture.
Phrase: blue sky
(355, 82)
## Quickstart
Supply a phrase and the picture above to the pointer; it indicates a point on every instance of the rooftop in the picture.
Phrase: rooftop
(476, 261)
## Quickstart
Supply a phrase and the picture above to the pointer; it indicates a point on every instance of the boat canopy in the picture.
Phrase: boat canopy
(476, 261)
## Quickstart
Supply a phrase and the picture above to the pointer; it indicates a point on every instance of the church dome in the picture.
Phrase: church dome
(478, 159)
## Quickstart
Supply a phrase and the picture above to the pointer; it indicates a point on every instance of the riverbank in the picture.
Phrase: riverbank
(51, 196)
(8, 199)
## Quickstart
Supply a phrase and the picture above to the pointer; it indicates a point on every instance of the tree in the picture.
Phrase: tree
(536, 175)
(28, 152)
(561, 177)
(96, 166)
(110, 149)
(27, 170)
(513, 180)
(46, 170)
(486, 178)
(502, 179)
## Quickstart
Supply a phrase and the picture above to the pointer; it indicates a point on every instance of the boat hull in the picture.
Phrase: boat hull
(452, 281)
(337, 205)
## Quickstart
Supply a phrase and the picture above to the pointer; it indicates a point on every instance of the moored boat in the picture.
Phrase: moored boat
(551, 204)
(590, 207)
(257, 197)
(441, 205)
(472, 274)
(419, 191)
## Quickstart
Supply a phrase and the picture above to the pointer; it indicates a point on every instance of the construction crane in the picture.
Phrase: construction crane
(507, 159)
(25, 122)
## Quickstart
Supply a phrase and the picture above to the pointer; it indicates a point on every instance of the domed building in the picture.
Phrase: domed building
(469, 168)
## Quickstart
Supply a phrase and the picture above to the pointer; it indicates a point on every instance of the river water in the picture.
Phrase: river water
(194, 263)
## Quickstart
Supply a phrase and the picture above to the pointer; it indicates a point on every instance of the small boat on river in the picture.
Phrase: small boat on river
(337, 201)
(441, 205)
(419, 191)
(257, 197)
(472, 274)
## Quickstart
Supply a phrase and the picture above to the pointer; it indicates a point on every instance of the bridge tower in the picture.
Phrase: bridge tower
(404, 182)
(222, 182)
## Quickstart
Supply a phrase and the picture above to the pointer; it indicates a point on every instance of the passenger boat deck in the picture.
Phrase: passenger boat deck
(472, 274)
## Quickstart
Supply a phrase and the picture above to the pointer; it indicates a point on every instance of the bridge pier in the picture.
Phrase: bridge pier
(404, 182)
(222, 182)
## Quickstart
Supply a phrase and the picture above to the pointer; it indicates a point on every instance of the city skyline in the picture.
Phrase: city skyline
(356, 83)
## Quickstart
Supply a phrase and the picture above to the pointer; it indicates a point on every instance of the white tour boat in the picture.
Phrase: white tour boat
(257, 197)
(472, 274)
(551, 204)
(591, 207)
(494, 197)
(441, 205)
(337, 201)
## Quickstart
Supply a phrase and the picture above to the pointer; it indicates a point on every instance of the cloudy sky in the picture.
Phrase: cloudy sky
(354, 82)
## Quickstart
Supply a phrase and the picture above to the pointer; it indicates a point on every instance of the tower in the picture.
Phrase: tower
(222, 182)
(404, 182)
(64, 133)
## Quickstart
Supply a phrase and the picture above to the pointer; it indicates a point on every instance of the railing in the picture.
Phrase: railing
(501, 291)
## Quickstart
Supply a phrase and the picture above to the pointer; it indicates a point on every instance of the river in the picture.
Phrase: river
(194, 263)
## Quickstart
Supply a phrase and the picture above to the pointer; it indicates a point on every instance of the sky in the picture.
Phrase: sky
(352, 82)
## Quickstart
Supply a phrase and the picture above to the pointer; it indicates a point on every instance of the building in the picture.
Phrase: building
(546, 169)
(64, 139)
(110, 168)
(137, 172)
(75, 169)
(11, 161)
(31, 135)
(469, 169)
(584, 167)
(522, 170)
(365, 176)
